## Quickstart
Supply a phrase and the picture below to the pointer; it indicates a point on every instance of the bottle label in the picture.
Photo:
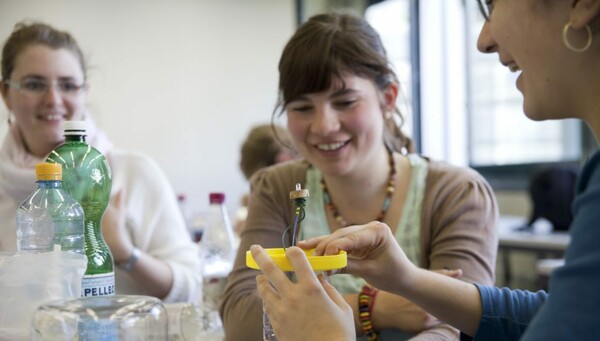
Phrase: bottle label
(98, 285)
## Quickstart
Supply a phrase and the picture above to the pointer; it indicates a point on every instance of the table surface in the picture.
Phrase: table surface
(541, 238)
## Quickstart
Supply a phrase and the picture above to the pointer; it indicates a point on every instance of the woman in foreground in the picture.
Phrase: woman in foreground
(555, 47)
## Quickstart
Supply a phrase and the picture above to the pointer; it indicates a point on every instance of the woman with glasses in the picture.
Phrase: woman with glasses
(554, 47)
(338, 92)
(44, 83)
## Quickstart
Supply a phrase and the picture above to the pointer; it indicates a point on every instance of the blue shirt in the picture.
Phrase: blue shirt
(572, 311)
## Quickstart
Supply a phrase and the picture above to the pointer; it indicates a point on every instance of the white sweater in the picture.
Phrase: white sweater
(153, 218)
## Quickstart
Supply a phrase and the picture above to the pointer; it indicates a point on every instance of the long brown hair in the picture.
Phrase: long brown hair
(325, 47)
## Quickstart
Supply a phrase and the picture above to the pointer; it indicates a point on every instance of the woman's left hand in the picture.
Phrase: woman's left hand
(114, 230)
(309, 309)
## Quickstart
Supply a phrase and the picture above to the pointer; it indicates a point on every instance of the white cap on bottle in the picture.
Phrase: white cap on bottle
(74, 127)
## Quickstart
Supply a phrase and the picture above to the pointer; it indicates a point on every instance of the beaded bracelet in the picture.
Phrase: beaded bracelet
(366, 301)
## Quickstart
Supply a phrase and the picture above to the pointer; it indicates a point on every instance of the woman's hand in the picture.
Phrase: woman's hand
(114, 230)
(310, 309)
(373, 254)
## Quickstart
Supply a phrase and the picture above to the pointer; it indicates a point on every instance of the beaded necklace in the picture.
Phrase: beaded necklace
(386, 202)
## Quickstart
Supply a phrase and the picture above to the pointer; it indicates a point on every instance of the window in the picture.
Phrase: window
(461, 105)
(392, 19)
(500, 134)
(505, 145)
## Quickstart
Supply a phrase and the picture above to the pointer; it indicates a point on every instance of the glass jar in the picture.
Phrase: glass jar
(120, 317)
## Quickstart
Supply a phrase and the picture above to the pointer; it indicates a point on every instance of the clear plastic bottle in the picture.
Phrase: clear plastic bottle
(49, 216)
(88, 179)
(218, 250)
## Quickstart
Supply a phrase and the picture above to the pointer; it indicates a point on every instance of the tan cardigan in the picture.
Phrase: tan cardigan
(459, 215)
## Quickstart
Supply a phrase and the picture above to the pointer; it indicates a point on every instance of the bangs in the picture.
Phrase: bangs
(321, 53)
(312, 69)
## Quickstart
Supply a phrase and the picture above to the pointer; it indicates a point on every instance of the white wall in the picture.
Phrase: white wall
(180, 80)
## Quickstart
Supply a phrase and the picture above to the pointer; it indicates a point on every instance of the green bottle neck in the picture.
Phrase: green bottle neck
(74, 138)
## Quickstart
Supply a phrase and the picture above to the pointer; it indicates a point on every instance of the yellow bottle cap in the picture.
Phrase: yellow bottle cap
(318, 263)
(48, 171)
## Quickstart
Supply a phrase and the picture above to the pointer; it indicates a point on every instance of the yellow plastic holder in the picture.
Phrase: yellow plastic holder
(318, 263)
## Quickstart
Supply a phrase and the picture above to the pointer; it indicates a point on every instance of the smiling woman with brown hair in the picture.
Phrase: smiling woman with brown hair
(338, 92)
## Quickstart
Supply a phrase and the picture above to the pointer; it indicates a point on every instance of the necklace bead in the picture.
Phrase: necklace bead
(386, 201)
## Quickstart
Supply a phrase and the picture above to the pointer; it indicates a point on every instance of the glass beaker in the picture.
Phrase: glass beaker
(191, 322)
(120, 317)
(319, 264)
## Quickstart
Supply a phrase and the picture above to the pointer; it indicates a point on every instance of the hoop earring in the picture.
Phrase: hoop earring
(568, 43)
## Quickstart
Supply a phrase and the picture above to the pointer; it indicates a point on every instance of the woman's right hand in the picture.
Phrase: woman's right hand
(373, 254)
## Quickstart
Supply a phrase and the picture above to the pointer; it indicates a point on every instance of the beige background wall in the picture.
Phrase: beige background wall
(180, 80)
(516, 203)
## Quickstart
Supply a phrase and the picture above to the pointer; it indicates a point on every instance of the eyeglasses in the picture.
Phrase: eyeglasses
(486, 7)
(36, 87)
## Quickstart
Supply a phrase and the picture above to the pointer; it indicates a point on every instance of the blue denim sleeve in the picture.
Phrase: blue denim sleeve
(506, 313)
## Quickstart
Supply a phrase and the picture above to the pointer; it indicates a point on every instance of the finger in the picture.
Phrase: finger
(454, 273)
(277, 278)
(310, 243)
(116, 201)
(347, 243)
(265, 290)
(302, 267)
(332, 292)
(448, 272)
(360, 240)
(348, 239)
(336, 236)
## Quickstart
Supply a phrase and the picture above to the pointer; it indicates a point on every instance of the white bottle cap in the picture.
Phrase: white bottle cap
(75, 127)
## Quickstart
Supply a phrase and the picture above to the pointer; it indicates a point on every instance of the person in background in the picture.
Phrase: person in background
(265, 145)
(339, 92)
(44, 83)
(554, 46)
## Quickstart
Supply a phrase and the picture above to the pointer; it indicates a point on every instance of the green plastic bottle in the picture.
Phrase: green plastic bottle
(87, 178)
